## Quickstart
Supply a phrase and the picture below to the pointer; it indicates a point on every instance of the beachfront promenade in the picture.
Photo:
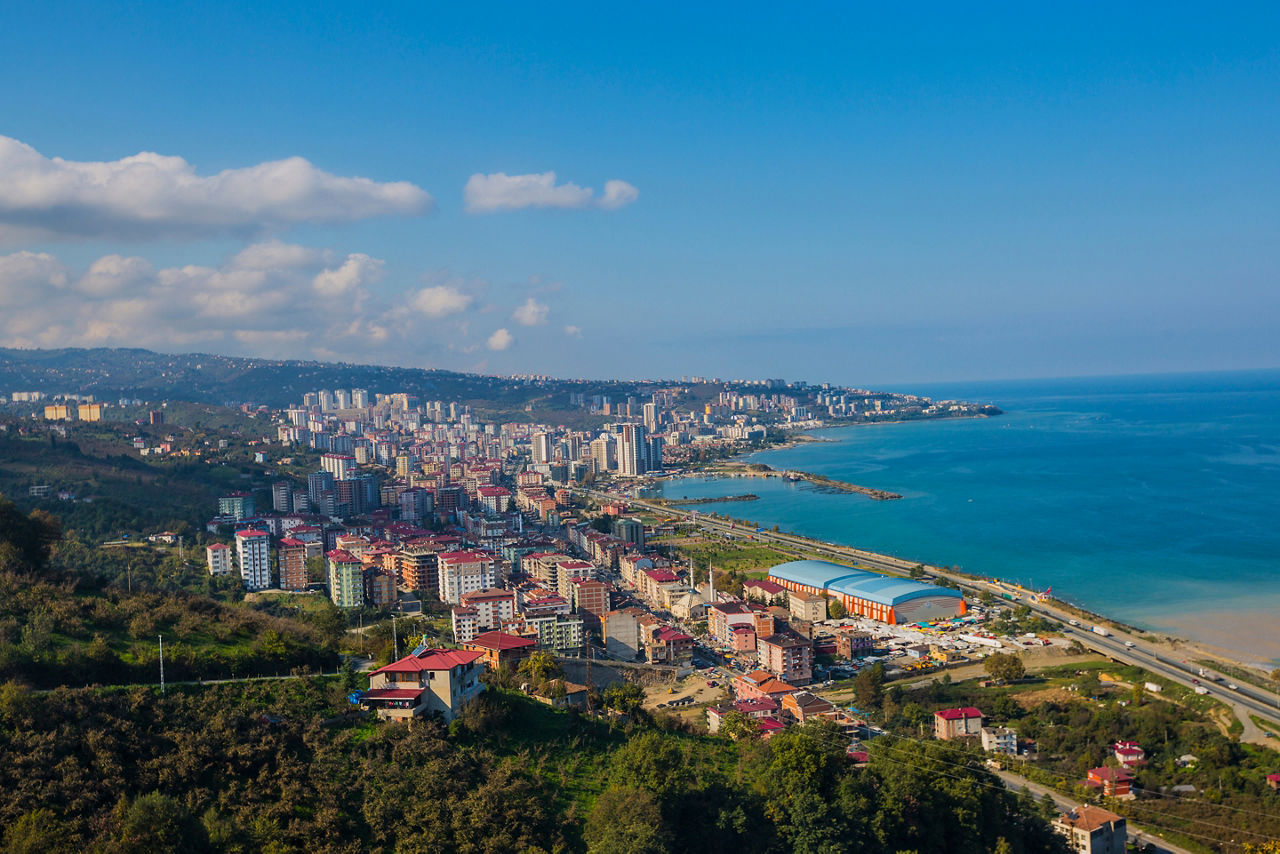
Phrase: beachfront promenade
(1120, 645)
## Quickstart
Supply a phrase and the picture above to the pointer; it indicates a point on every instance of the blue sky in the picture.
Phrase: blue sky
(858, 194)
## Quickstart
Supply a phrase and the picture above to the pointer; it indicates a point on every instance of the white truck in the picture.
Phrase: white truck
(1101, 630)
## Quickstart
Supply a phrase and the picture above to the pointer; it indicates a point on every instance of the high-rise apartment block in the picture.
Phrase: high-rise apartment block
(292, 562)
(253, 550)
(465, 572)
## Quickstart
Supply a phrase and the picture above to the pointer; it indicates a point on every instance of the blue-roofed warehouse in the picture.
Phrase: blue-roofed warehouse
(881, 597)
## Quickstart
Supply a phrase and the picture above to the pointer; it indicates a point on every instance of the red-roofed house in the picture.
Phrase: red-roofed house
(1273, 780)
(1093, 830)
(803, 706)
(1129, 754)
(761, 684)
(437, 681)
(500, 648)
(669, 646)
(1114, 782)
(957, 723)
(763, 590)
(769, 727)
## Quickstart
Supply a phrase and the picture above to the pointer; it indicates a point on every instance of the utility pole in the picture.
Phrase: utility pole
(161, 664)
(128, 574)
(395, 640)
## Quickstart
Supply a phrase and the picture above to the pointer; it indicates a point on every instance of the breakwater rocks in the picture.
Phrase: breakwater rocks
(762, 470)
(686, 502)
(842, 486)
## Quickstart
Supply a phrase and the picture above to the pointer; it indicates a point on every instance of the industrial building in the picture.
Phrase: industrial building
(886, 598)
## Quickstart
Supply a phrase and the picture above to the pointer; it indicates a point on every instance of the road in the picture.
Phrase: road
(1136, 833)
(1119, 645)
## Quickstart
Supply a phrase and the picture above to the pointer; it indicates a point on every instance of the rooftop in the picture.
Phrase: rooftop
(431, 659)
(1089, 818)
(859, 583)
(500, 641)
(958, 714)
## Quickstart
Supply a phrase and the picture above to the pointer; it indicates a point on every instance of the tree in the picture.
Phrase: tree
(36, 833)
(625, 820)
(1004, 667)
(540, 666)
(736, 725)
(917, 571)
(624, 696)
(868, 687)
(836, 609)
(157, 822)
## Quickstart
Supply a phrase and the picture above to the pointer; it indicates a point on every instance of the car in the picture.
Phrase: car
(1130, 644)
(1074, 622)
(1195, 681)
(1233, 686)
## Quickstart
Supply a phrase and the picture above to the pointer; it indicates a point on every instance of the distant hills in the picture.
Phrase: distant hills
(112, 373)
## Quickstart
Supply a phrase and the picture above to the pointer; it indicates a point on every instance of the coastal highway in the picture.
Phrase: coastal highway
(1119, 645)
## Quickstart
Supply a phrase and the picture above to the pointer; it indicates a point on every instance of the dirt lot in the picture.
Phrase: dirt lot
(694, 686)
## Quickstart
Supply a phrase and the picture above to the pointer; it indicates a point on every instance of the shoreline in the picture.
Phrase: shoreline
(1169, 630)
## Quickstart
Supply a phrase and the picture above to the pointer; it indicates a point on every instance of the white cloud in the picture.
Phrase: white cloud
(531, 313)
(440, 301)
(274, 299)
(616, 194)
(573, 331)
(356, 272)
(500, 340)
(149, 196)
(499, 191)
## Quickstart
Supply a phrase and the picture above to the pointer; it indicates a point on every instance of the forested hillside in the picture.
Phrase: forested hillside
(270, 767)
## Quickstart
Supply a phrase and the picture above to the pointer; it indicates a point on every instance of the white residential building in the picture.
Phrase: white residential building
(465, 572)
(219, 558)
(999, 739)
(253, 550)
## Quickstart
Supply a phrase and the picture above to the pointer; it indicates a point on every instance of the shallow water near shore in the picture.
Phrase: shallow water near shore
(1154, 500)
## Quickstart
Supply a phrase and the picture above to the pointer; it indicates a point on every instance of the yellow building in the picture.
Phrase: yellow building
(90, 412)
(59, 412)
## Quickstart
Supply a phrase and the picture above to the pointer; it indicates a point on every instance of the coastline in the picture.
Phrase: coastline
(1244, 637)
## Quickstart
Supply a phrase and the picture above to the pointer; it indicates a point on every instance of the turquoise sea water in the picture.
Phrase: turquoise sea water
(1155, 499)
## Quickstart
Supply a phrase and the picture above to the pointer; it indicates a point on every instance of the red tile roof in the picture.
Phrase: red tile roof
(432, 659)
(958, 714)
(472, 556)
(500, 641)
(394, 694)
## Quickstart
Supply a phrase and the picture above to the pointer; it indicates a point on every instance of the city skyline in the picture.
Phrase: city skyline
(868, 197)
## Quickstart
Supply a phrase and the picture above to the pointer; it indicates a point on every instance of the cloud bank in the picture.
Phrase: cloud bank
(150, 196)
(499, 191)
(271, 299)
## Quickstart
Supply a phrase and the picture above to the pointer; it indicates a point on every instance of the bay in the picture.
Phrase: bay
(1151, 499)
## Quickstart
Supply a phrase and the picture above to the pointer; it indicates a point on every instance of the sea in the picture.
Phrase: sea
(1154, 500)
